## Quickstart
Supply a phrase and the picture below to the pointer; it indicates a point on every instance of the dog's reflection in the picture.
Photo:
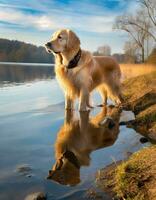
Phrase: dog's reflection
(77, 138)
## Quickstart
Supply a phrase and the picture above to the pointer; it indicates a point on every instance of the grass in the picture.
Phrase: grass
(136, 87)
(133, 70)
(128, 182)
(148, 118)
(135, 177)
(140, 97)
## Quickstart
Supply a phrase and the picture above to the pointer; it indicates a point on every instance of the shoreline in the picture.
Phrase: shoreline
(135, 177)
(25, 64)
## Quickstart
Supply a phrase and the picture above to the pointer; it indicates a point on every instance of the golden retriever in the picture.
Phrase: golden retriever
(79, 73)
(77, 138)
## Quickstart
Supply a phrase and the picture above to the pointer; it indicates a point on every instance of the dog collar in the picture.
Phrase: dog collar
(73, 63)
(72, 158)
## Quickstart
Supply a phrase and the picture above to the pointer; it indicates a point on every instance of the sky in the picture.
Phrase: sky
(34, 21)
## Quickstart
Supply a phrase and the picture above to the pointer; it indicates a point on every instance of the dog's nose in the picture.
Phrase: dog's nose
(48, 44)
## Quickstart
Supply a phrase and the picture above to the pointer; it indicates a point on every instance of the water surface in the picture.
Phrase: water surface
(31, 118)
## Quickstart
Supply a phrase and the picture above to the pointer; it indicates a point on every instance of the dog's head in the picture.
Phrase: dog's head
(63, 40)
(66, 170)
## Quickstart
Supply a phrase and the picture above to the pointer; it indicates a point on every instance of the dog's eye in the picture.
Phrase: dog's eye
(59, 37)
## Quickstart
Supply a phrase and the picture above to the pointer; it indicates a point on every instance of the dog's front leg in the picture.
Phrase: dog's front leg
(83, 101)
(68, 102)
(69, 116)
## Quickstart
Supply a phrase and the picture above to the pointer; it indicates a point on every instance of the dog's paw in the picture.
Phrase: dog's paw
(90, 106)
(69, 108)
(86, 109)
(102, 105)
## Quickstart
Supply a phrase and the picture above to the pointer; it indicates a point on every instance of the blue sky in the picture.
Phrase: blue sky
(34, 21)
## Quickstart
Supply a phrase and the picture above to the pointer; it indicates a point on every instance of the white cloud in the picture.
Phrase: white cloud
(93, 22)
(97, 24)
(44, 22)
(78, 15)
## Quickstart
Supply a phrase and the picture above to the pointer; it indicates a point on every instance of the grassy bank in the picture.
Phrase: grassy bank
(133, 70)
(135, 179)
(140, 97)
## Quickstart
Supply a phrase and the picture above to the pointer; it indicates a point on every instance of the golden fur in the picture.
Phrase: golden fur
(92, 72)
(82, 136)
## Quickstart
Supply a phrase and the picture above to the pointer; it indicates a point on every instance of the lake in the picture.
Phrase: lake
(31, 118)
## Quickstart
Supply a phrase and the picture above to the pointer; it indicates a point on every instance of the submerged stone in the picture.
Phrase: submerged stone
(36, 196)
(143, 140)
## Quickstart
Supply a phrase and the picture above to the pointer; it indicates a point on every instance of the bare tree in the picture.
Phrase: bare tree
(131, 24)
(130, 52)
(104, 50)
(150, 6)
(143, 22)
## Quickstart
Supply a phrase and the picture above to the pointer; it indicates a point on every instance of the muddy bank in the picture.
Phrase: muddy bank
(135, 179)
(140, 97)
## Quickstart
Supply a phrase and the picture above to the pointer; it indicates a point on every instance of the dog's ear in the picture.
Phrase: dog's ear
(73, 41)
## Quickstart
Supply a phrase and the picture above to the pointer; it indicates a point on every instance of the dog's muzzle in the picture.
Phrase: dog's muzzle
(48, 44)
(48, 47)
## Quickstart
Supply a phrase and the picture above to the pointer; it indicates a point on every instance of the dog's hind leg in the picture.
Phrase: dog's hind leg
(115, 93)
(89, 103)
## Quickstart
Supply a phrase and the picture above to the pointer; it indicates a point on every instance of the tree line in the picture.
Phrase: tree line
(25, 73)
(16, 51)
(128, 56)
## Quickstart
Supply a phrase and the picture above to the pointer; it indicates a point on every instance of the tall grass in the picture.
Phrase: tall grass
(132, 70)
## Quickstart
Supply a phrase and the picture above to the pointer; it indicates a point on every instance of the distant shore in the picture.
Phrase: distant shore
(22, 63)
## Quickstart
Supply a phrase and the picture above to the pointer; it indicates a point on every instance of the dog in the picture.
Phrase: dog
(79, 73)
(77, 138)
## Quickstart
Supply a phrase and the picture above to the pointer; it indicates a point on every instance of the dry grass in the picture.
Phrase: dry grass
(134, 88)
(140, 97)
(133, 70)
(135, 179)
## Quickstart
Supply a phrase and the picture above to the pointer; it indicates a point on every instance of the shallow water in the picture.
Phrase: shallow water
(31, 116)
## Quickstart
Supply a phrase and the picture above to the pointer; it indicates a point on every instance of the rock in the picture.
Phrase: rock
(122, 123)
(143, 140)
(24, 170)
(36, 196)
(29, 175)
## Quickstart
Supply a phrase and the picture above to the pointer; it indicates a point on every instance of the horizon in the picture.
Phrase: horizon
(34, 22)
